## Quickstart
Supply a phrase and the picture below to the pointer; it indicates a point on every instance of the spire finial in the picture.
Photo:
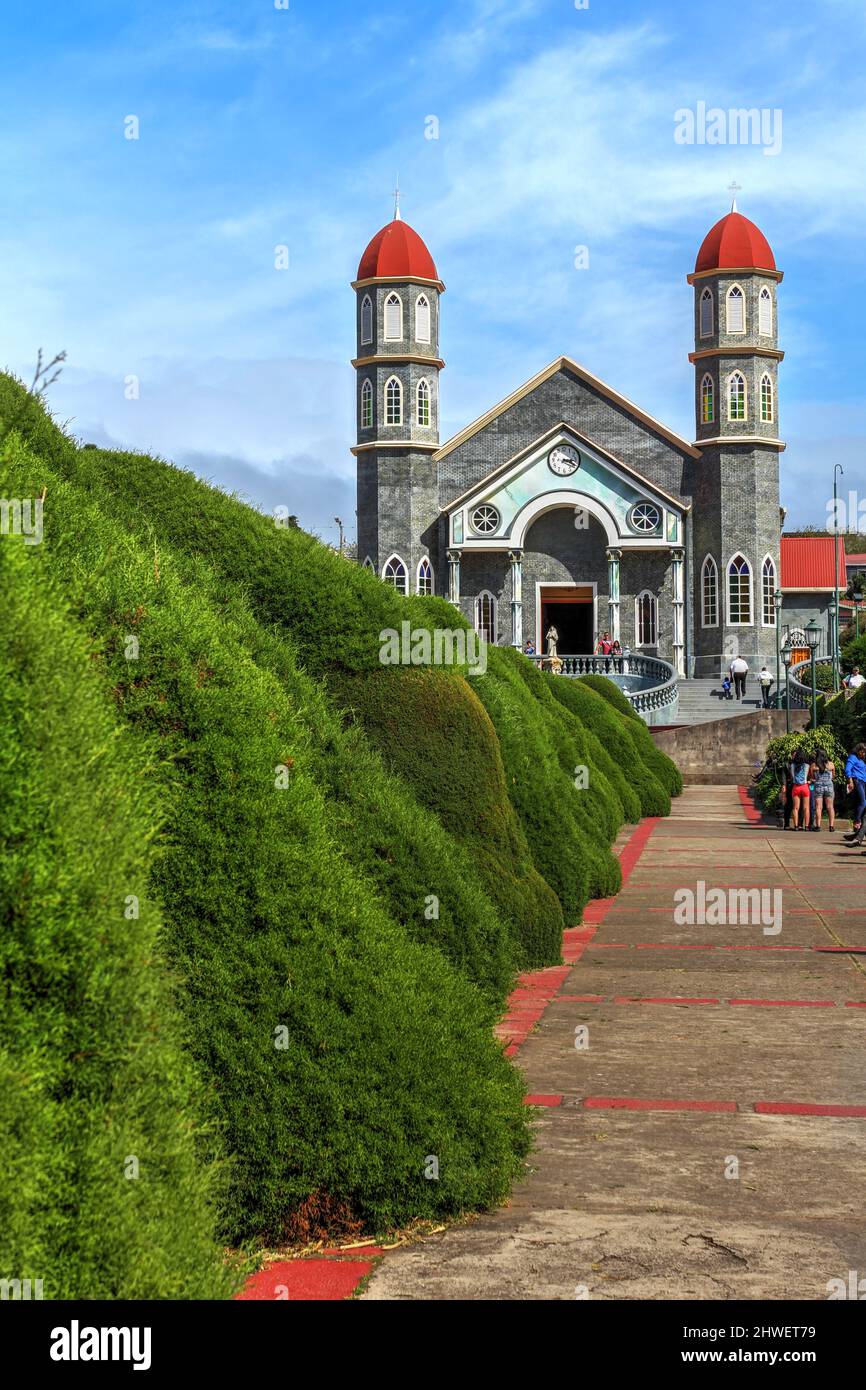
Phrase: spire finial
(398, 216)
(734, 188)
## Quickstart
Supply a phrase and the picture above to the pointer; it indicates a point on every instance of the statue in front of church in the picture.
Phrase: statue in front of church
(551, 638)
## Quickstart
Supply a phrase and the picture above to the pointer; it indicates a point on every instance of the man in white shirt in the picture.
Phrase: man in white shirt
(739, 671)
(765, 680)
(855, 680)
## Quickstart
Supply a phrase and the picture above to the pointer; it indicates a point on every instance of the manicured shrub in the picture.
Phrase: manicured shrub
(340, 1054)
(105, 1191)
(616, 735)
(570, 850)
(664, 768)
(433, 732)
(781, 750)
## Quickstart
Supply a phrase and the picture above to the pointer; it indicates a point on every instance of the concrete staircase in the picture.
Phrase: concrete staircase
(701, 701)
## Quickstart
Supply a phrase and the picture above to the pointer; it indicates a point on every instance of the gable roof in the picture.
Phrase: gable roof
(568, 364)
(807, 563)
(482, 485)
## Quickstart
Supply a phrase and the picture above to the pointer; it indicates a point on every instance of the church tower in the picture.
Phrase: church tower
(736, 519)
(397, 367)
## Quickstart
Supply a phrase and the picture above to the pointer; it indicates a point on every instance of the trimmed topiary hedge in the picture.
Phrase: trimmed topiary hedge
(435, 734)
(664, 768)
(569, 846)
(617, 736)
(341, 1054)
(104, 1193)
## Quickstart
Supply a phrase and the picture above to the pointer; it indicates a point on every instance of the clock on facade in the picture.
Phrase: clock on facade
(563, 460)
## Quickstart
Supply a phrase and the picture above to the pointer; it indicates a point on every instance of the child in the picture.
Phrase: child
(726, 688)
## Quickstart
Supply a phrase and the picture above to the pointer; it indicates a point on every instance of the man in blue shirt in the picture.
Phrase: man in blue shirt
(855, 771)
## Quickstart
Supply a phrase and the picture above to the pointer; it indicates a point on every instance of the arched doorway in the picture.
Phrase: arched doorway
(565, 580)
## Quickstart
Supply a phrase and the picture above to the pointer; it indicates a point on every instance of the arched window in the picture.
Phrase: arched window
(423, 407)
(394, 573)
(739, 592)
(708, 403)
(485, 616)
(768, 592)
(425, 577)
(736, 396)
(766, 396)
(709, 593)
(393, 402)
(422, 319)
(646, 619)
(707, 313)
(736, 310)
(393, 318)
(367, 404)
(368, 564)
(765, 313)
(367, 320)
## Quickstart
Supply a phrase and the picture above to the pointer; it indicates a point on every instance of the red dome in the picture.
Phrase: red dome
(735, 243)
(397, 251)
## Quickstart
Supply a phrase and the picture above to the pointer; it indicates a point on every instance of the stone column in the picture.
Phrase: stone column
(454, 577)
(613, 559)
(516, 560)
(677, 572)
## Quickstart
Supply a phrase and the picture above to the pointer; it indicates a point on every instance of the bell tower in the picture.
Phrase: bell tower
(397, 366)
(736, 524)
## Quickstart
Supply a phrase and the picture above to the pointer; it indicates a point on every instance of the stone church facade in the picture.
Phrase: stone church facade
(566, 502)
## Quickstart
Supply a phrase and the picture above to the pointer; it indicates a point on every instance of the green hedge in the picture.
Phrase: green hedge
(617, 736)
(104, 1191)
(387, 1054)
(567, 830)
(664, 768)
(435, 734)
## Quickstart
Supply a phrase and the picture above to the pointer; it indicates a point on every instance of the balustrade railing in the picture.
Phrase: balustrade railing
(632, 664)
(801, 690)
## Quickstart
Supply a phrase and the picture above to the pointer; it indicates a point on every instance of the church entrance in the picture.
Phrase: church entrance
(571, 610)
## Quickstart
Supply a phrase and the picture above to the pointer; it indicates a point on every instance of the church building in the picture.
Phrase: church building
(566, 502)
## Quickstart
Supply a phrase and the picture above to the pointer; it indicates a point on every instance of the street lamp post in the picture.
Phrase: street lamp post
(813, 637)
(834, 628)
(836, 470)
(787, 657)
(777, 600)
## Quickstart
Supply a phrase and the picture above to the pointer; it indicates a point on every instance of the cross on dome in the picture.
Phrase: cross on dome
(734, 188)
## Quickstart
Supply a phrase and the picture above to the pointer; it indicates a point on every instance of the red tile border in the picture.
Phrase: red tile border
(773, 1107)
(305, 1280)
(551, 1101)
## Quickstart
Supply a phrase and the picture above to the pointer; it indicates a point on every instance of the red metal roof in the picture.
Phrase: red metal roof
(855, 559)
(397, 250)
(807, 562)
(735, 242)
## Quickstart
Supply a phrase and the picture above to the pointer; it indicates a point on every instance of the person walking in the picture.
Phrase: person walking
(821, 775)
(739, 670)
(800, 765)
(855, 771)
(765, 680)
(855, 680)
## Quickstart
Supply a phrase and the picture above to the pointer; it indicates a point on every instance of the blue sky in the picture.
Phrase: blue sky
(262, 126)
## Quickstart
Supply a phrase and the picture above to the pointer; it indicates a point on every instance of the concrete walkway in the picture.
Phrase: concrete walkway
(708, 1148)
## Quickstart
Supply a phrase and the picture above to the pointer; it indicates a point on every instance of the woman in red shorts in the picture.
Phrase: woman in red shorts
(800, 764)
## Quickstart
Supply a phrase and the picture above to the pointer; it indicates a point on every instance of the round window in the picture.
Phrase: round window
(485, 520)
(645, 518)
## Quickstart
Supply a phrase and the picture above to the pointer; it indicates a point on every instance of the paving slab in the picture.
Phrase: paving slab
(701, 1115)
